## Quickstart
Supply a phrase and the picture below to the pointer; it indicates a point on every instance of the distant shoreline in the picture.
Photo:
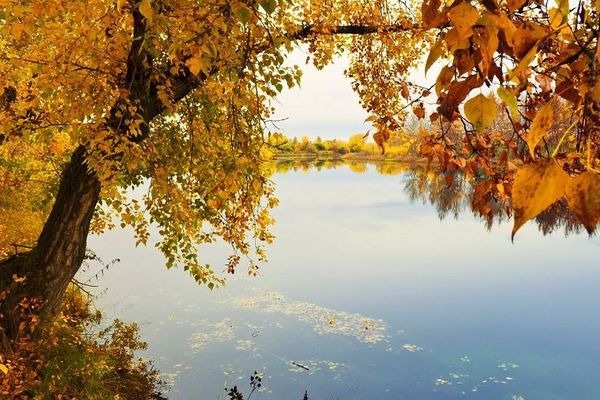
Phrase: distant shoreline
(348, 157)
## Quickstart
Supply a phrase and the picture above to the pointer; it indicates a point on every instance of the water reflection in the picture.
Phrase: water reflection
(359, 167)
(452, 312)
(450, 194)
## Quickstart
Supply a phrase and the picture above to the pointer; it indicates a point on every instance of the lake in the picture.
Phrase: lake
(369, 295)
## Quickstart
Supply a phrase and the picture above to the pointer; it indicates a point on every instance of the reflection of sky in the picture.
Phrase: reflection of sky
(353, 244)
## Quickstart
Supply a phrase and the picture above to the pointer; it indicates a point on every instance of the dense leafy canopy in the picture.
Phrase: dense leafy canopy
(540, 59)
(172, 96)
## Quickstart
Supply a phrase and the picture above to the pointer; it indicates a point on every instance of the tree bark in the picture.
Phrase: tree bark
(60, 249)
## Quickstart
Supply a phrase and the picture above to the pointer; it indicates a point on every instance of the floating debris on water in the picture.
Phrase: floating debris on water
(459, 380)
(505, 366)
(459, 376)
(324, 320)
(313, 365)
(413, 348)
(213, 333)
(304, 367)
(245, 345)
(169, 378)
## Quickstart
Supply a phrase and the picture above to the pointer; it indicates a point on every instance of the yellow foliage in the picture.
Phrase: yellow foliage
(536, 187)
(583, 195)
(481, 111)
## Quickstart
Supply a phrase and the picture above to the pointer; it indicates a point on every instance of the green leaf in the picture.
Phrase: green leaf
(243, 13)
(269, 5)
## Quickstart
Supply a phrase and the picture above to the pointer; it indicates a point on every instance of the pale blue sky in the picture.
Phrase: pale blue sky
(325, 104)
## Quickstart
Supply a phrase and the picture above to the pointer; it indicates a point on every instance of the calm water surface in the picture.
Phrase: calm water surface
(378, 298)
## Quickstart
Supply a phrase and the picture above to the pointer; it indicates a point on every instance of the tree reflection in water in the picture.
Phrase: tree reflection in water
(450, 195)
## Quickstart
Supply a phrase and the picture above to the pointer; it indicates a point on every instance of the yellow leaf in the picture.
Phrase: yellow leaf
(583, 197)
(563, 6)
(444, 78)
(147, 10)
(524, 63)
(120, 5)
(434, 54)
(510, 100)
(463, 16)
(555, 17)
(456, 40)
(539, 128)
(481, 111)
(537, 186)
(17, 31)
(525, 37)
(503, 23)
(4, 369)
(195, 65)
(489, 43)
(515, 4)
(431, 14)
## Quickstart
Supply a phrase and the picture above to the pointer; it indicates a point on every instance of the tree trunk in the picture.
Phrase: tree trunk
(50, 266)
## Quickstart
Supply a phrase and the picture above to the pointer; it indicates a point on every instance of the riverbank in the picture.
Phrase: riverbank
(349, 157)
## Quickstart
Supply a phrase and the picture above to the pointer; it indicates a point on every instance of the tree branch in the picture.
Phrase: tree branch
(185, 82)
(311, 30)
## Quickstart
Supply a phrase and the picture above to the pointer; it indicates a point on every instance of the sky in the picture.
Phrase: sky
(325, 105)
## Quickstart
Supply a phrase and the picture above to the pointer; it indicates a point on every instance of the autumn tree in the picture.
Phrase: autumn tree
(356, 143)
(319, 146)
(170, 97)
(539, 62)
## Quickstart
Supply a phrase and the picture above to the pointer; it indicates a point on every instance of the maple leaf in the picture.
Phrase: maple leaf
(536, 186)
